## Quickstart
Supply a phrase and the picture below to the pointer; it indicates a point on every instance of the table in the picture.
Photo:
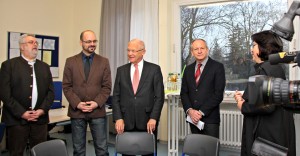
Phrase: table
(60, 117)
(173, 123)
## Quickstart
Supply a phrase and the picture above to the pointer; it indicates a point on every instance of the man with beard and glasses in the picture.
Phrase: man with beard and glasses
(27, 93)
(87, 85)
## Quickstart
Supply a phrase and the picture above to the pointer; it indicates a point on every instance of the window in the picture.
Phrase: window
(227, 28)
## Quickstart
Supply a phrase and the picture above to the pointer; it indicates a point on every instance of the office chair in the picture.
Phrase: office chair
(2, 124)
(135, 143)
(200, 145)
(50, 148)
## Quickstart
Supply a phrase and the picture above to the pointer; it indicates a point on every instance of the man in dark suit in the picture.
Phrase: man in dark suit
(202, 90)
(138, 94)
(87, 85)
(27, 93)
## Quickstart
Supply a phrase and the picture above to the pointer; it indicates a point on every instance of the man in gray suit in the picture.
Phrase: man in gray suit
(87, 85)
(138, 94)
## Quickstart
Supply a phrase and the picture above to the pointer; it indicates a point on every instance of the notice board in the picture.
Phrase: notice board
(48, 49)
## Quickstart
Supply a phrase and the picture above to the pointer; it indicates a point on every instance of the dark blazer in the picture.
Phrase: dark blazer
(208, 95)
(136, 110)
(16, 90)
(97, 88)
(271, 122)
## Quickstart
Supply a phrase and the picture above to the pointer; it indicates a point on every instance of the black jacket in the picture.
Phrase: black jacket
(16, 90)
(136, 110)
(208, 94)
(271, 122)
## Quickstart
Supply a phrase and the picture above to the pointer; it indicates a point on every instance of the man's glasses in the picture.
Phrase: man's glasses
(90, 41)
(134, 51)
(32, 42)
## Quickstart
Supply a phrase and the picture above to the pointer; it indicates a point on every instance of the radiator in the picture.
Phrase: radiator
(230, 127)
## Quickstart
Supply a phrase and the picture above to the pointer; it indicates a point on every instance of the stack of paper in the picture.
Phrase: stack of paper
(200, 124)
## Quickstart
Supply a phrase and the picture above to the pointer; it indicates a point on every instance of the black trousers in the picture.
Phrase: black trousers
(155, 135)
(209, 129)
(18, 136)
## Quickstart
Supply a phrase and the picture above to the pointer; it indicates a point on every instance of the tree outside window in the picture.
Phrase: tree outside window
(227, 28)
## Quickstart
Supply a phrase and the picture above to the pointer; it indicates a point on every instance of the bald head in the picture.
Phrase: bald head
(82, 34)
(138, 42)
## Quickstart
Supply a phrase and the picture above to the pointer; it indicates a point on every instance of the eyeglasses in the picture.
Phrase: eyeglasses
(32, 42)
(134, 51)
(253, 45)
(90, 41)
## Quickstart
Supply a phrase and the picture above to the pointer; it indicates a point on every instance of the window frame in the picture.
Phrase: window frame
(294, 73)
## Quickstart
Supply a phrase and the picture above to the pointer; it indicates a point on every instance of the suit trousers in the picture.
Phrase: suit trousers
(18, 136)
(209, 129)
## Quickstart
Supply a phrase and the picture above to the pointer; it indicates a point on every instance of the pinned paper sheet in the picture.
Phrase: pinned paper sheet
(47, 56)
(200, 124)
(14, 40)
(14, 53)
(54, 71)
(40, 41)
(49, 44)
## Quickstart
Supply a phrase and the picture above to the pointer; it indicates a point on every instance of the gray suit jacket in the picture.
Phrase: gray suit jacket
(97, 88)
(136, 110)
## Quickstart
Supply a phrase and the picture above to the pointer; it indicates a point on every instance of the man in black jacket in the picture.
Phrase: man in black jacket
(203, 85)
(27, 94)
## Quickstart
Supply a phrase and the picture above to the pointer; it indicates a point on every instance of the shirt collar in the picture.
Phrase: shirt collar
(203, 63)
(29, 62)
(91, 56)
(139, 64)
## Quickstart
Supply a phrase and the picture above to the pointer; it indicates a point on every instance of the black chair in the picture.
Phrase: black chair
(50, 148)
(2, 125)
(200, 145)
(135, 143)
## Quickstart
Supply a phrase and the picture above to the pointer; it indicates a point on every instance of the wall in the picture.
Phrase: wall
(66, 19)
(165, 55)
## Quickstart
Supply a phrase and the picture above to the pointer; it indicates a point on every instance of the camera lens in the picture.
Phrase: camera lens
(279, 91)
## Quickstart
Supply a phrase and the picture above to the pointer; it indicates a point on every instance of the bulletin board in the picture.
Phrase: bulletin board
(48, 49)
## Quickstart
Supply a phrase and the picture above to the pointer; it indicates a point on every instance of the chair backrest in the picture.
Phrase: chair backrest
(135, 143)
(57, 95)
(2, 124)
(200, 145)
(50, 148)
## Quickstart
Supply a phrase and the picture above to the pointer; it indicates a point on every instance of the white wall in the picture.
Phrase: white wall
(63, 18)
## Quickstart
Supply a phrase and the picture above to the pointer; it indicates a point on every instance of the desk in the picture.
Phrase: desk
(60, 116)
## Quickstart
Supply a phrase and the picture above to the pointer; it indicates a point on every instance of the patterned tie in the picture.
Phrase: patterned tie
(136, 79)
(87, 67)
(197, 74)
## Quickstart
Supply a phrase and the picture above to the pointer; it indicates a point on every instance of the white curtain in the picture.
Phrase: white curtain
(144, 25)
(115, 33)
(123, 20)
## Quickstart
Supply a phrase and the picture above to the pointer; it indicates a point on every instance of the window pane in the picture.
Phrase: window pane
(227, 28)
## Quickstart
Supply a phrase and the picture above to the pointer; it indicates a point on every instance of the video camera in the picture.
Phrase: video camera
(264, 90)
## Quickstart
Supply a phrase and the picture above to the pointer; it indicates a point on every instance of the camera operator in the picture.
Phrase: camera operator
(271, 122)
